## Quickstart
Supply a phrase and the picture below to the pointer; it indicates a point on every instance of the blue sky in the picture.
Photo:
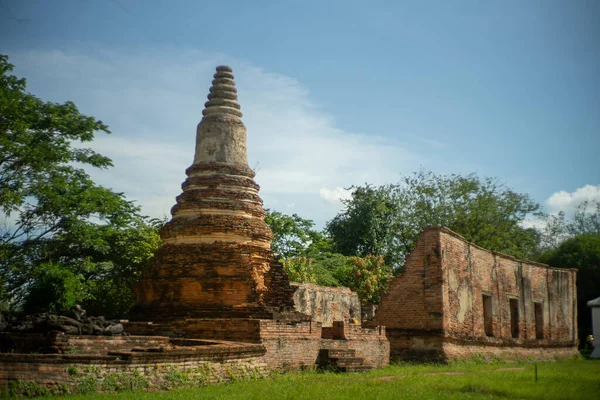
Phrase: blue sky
(334, 93)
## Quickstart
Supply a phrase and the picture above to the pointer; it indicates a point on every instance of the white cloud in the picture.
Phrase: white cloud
(152, 100)
(533, 222)
(568, 202)
(335, 195)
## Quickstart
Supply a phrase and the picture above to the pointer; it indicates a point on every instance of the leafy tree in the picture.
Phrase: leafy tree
(369, 277)
(300, 269)
(582, 252)
(64, 239)
(293, 236)
(367, 226)
(306, 256)
(558, 228)
(387, 220)
(554, 231)
(585, 221)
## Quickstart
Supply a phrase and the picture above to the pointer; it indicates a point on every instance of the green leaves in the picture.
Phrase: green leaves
(65, 239)
(56, 287)
(293, 236)
(581, 252)
(387, 220)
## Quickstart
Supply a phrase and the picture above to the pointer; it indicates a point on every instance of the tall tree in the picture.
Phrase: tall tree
(64, 239)
(387, 220)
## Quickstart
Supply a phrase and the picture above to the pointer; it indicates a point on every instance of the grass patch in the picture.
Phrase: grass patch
(574, 379)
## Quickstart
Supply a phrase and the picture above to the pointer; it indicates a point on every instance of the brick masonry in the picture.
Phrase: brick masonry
(216, 259)
(182, 361)
(61, 343)
(435, 309)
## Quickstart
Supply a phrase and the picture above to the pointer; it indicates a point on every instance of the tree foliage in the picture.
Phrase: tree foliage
(64, 239)
(293, 236)
(369, 277)
(306, 257)
(387, 220)
(581, 252)
(557, 227)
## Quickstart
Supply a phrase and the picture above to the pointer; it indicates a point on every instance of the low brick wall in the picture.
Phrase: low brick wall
(235, 329)
(80, 373)
(461, 351)
(59, 342)
(416, 345)
(434, 346)
(370, 344)
(105, 344)
(290, 346)
(185, 356)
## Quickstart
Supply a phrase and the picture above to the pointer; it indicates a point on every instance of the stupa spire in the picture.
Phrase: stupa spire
(216, 258)
(222, 98)
(221, 135)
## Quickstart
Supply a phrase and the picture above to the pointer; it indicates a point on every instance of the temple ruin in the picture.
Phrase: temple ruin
(215, 276)
(214, 300)
(458, 300)
(216, 258)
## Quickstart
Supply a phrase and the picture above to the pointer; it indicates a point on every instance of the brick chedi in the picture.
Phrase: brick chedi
(216, 260)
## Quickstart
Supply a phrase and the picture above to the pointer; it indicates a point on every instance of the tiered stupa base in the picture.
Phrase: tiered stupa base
(216, 260)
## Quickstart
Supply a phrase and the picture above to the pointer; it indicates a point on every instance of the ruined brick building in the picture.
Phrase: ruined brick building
(216, 267)
(215, 276)
(214, 298)
(458, 300)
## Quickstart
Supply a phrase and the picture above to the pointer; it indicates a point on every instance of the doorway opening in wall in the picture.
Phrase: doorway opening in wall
(538, 310)
(487, 315)
(514, 317)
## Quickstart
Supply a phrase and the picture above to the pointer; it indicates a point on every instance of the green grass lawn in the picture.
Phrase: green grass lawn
(573, 379)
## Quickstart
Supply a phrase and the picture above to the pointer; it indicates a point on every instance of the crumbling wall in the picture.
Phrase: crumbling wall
(411, 310)
(326, 304)
(370, 344)
(61, 343)
(472, 272)
(43, 374)
(456, 299)
(290, 345)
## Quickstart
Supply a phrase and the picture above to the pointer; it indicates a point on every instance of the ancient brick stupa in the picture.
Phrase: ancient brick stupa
(216, 260)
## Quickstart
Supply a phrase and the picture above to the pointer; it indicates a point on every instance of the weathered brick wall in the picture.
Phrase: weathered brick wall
(419, 345)
(412, 306)
(326, 304)
(190, 364)
(59, 342)
(414, 298)
(370, 344)
(512, 353)
(290, 345)
(84, 375)
(236, 329)
(438, 301)
(471, 272)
